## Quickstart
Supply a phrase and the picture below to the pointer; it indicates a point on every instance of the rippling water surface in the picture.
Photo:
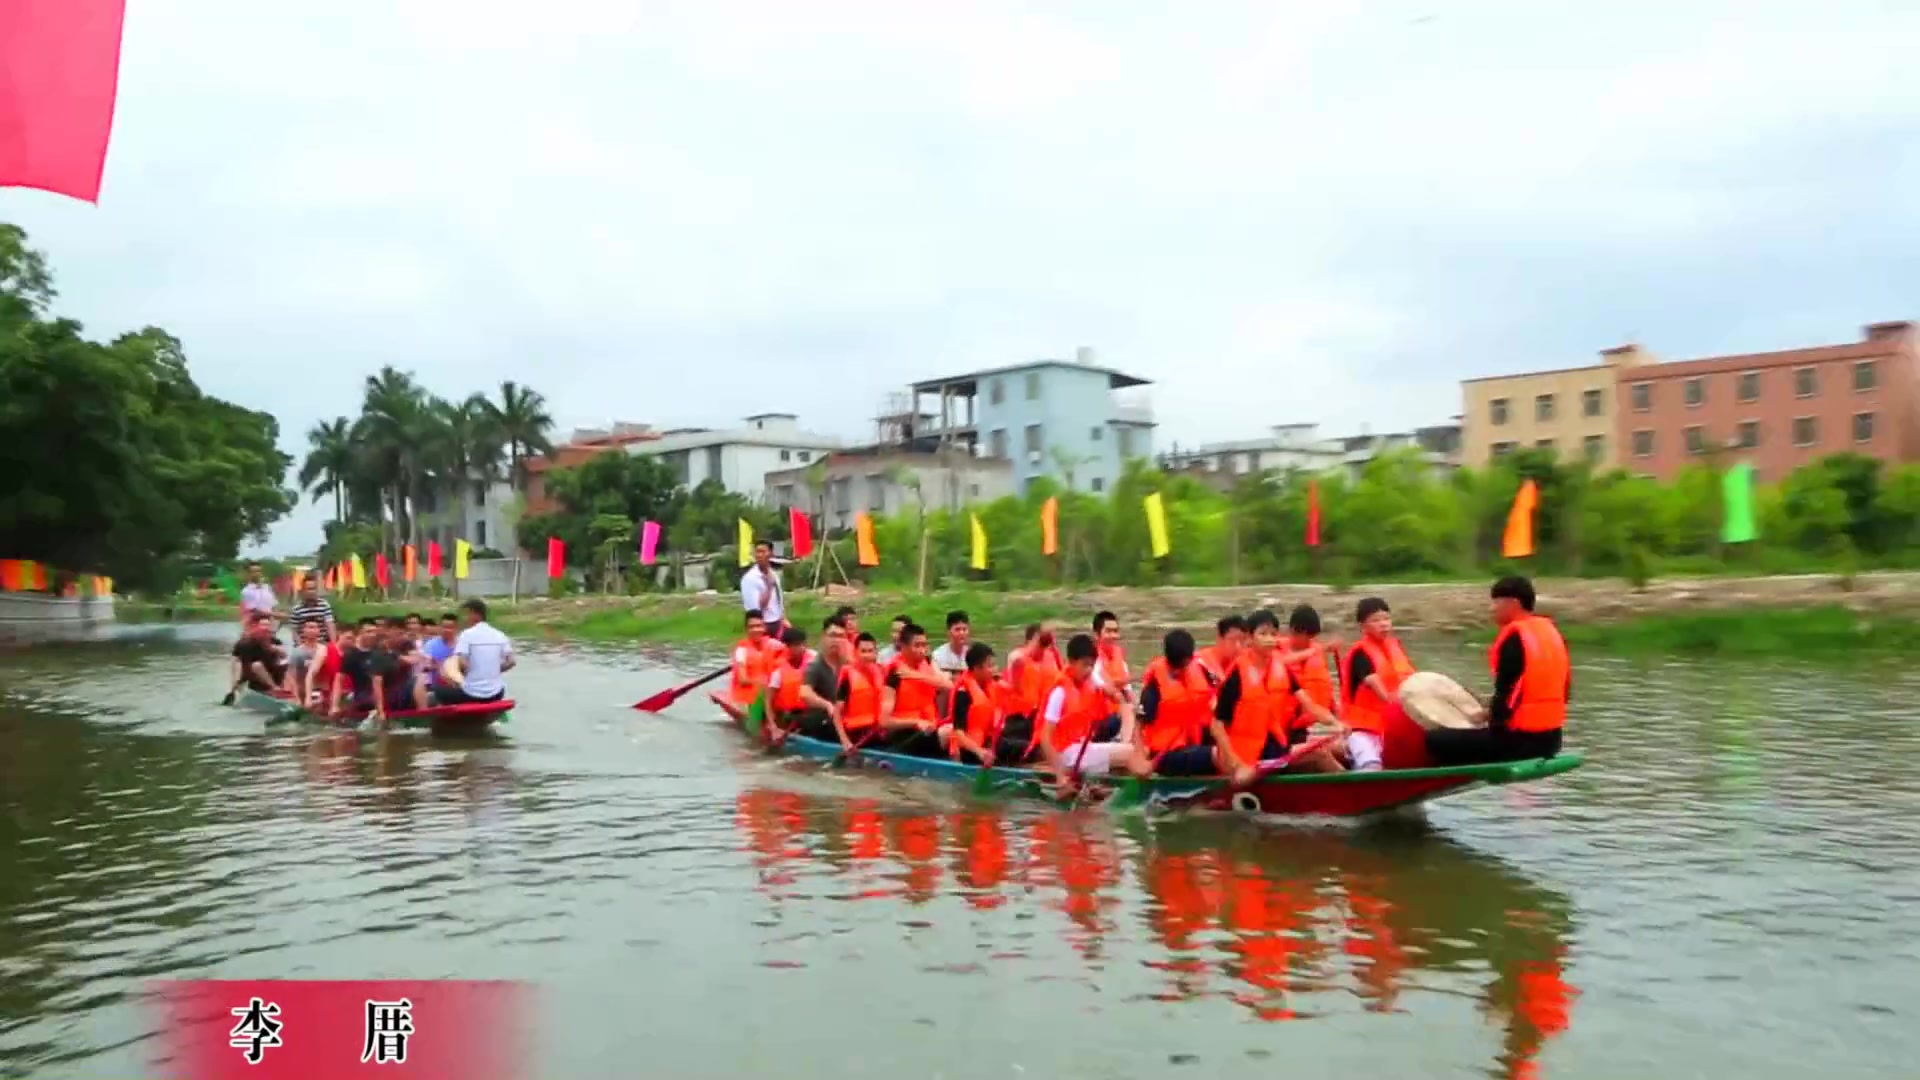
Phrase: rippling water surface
(1728, 889)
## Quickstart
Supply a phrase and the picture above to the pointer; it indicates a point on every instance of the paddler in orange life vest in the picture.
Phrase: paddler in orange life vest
(753, 660)
(857, 702)
(1375, 667)
(1254, 704)
(1075, 711)
(1532, 682)
(975, 713)
(1111, 667)
(1229, 637)
(910, 697)
(1305, 655)
(786, 701)
(1176, 709)
(1031, 672)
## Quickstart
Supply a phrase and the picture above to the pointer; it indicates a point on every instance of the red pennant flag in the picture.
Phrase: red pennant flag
(13, 575)
(380, 572)
(556, 557)
(433, 558)
(1313, 514)
(61, 60)
(802, 529)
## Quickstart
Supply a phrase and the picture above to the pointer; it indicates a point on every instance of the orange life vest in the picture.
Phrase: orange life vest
(1085, 706)
(1312, 676)
(1540, 700)
(862, 707)
(914, 699)
(1366, 711)
(1209, 658)
(983, 711)
(1113, 667)
(1185, 706)
(786, 699)
(1031, 678)
(752, 673)
(1264, 708)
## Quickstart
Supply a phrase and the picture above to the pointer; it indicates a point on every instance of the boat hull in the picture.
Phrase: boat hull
(471, 718)
(1335, 795)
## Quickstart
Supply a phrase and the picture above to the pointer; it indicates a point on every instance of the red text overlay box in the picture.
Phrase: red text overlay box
(319, 1030)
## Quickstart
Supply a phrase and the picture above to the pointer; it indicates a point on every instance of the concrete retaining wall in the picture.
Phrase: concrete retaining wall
(37, 617)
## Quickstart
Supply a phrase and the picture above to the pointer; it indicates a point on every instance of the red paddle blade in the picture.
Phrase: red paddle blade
(667, 697)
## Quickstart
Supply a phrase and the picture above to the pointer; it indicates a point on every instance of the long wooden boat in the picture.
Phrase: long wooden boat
(471, 718)
(1339, 795)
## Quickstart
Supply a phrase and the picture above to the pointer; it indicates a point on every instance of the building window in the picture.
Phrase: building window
(1033, 386)
(1097, 433)
(1749, 386)
(1863, 427)
(1543, 407)
(1497, 410)
(1126, 443)
(713, 464)
(842, 494)
(479, 493)
(1590, 403)
(877, 492)
(786, 455)
(1806, 382)
(783, 496)
(1806, 429)
(1034, 443)
(1594, 446)
(1502, 449)
(1643, 443)
(1641, 394)
(1696, 392)
(806, 455)
(1543, 444)
(480, 534)
(1866, 375)
(1099, 484)
(1696, 440)
(997, 391)
(997, 442)
(973, 491)
(1749, 434)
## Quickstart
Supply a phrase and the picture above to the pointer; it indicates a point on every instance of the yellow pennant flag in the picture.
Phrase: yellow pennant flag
(1157, 526)
(359, 573)
(979, 543)
(299, 578)
(746, 543)
(462, 551)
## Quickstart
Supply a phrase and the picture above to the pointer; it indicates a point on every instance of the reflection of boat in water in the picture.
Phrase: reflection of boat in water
(1284, 928)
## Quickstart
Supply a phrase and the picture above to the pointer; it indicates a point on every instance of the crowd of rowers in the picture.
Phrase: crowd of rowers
(1256, 694)
(380, 665)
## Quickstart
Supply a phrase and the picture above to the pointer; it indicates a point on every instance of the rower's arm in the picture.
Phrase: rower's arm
(887, 697)
(1313, 708)
(333, 693)
(1510, 666)
(379, 695)
(1224, 704)
(454, 670)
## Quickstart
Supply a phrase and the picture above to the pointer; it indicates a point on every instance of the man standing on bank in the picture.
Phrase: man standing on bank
(760, 590)
(1532, 682)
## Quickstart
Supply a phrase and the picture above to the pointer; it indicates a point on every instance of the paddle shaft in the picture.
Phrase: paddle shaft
(667, 697)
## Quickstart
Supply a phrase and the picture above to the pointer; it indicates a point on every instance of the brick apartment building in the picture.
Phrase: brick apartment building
(1779, 410)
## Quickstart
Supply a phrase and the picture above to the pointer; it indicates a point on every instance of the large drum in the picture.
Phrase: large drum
(1434, 701)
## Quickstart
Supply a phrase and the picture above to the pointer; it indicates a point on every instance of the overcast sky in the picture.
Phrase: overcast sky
(682, 213)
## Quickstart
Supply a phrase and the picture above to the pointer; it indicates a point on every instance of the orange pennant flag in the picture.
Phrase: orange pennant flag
(13, 575)
(1518, 542)
(863, 541)
(407, 560)
(1050, 527)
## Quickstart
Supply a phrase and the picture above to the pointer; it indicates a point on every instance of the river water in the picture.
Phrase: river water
(1729, 888)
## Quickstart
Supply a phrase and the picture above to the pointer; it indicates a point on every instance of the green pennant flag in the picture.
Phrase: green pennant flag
(227, 583)
(1736, 489)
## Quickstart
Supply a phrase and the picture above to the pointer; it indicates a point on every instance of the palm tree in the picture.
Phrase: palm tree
(392, 429)
(521, 421)
(462, 449)
(330, 460)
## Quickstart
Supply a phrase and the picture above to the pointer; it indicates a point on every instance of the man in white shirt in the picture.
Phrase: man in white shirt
(481, 655)
(952, 656)
(760, 590)
(257, 596)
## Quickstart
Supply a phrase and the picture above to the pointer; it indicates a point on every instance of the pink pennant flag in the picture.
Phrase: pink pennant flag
(649, 542)
(59, 74)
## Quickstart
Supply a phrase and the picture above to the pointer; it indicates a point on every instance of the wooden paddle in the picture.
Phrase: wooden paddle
(667, 697)
(866, 737)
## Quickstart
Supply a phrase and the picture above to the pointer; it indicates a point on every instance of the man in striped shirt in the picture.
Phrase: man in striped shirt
(312, 608)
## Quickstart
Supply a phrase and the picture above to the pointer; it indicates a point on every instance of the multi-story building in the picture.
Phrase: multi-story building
(1570, 410)
(1071, 419)
(887, 479)
(584, 443)
(739, 458)
(1301, 447)
(1778, 410)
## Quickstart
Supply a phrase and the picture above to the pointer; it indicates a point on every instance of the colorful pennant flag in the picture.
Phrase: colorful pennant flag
(746, 543)
(409, 562)
(102, 585)
(979, 561)
(556, 557)
(299, 578)
(649, 542)
(1157, 526)
(382, 573)
(1736, 490)
(433, 559)
(1313, 513)
(62, 62)
(1050, 526)
(326, 580)
(801, 528)
(13, 575)
(359, 572)
(37, 576)
(1518, 541)
(462, 555)
(863, 541)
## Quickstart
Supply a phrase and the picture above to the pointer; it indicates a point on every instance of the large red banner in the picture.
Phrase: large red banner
(316, 1030)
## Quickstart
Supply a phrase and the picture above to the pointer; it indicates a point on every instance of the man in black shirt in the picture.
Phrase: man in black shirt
(352, 689)
(258, 660)
(820, 686)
